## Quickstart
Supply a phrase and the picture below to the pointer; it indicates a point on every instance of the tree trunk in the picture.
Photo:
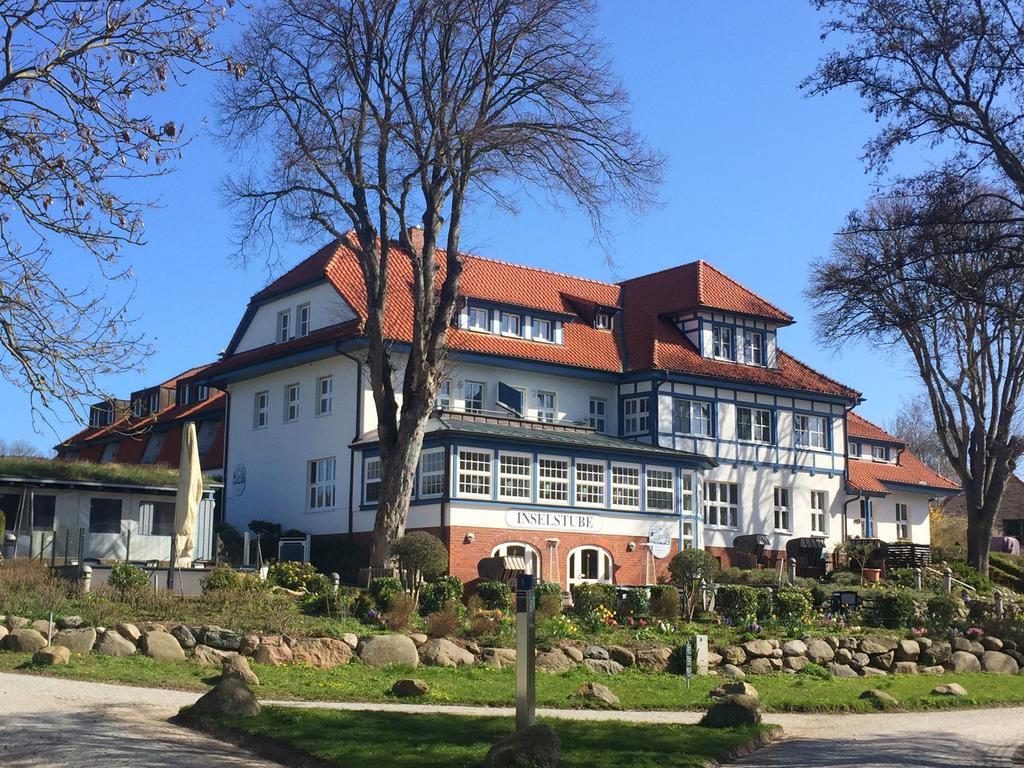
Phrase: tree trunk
(979, 539)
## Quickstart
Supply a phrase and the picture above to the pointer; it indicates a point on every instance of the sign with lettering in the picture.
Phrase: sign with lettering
(553, 521)
(660, 539)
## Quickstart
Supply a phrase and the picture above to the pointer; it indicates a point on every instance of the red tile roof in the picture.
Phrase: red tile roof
(859, 427)
(874, 476)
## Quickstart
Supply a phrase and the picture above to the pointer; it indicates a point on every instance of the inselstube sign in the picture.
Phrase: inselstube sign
(553, 521)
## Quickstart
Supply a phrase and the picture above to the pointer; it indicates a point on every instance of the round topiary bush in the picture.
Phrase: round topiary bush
(128, 579)
(222, 578)
(422, 553)
(495, 595)
(894, 609)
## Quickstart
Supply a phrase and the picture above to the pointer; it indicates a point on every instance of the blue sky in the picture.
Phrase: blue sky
(759, 179)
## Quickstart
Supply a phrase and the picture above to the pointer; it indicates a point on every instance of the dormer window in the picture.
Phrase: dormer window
(542, 330)
(753, 347)
(284, 325)
(511, 325)
(202, 392)
(854, 449)
(302, 326)
(101, 415)
(479, 318)
(154, 402)
(879, 453)
(603, 321)
(183, 394)
(722, 342)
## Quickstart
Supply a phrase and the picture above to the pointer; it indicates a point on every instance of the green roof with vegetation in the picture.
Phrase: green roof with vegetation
(87, 472)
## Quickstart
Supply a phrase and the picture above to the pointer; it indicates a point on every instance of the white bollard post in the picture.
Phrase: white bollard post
(792, 570)
(947, 581)
(919, 578)
(997, 600)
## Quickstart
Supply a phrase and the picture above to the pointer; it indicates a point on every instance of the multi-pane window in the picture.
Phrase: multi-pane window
(324, 395)
(511, 325)
(202, 392)
(879, 453)
(260, 409)
(754, 424)
(371, 480)
(809, 431)
(598, 414)
(902, 521)
(692, 417)
(431, 473)
(302, 323)
(721, 504)
(687, 534)
(473, 393)
(659, 486)
(515, 475)
(474, 473)
(479, 319)
(635, 416)
(542, 330)
(284, 325)
(853, 449)
(819, 505)
(783, 510)
(721, 342)
(553, 480)
(753, 347)
(686, 490)
(291, 402)
(625, 486)
(444, 394)
(321, 483)
(546, 406)
(602, 321)
(590, 483)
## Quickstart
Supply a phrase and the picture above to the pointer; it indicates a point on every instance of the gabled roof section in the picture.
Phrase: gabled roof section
(876, 477)
(859, 428)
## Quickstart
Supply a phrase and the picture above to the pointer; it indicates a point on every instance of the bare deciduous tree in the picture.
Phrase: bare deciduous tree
(375, 115)
(889, 281)
(71, 133)
(913, 423)
(19, 448)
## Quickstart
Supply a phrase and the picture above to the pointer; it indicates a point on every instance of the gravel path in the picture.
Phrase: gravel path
(50, 723)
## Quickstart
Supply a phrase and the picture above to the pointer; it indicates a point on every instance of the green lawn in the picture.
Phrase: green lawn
(398, 740)
(483, 686)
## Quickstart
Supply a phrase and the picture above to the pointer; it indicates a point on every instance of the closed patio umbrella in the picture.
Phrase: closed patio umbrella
(190, 493)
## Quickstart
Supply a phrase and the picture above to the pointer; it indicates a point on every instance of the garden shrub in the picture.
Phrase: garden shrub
(821, 594)
(845, 579)
(223, 577)
(549, 600)
(445, 622)
(298, 576)
(556, 628)
(422, 553)
(363, 606)
(28, 588)
(587, 598)
(966, 573)
(815, 670)
(383, 590)
(665, 602)
(894, 608)
(495, 595)
(765, 604)
(401, 607)
(736, 603)
(128, 580)
(549, 588)
(901, 577)
(687, 569)
(793, 606)
(434, 595)
(337, 604)
(636, 604)
(943, 611)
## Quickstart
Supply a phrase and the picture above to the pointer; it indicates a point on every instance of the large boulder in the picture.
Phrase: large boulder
(734, 655)
(572, 652)
(595, 652)
(843, 656)
(882, 660)
(43, 627)
(794, 648)
(732, 711)
(537, 746)
(128, 631)
(70, 622)
(382, 650)
(248, 643)
(904, 668)
(597, 694)
(4, 632)
(409, 688)
(210, 657)
(999, 662)
(184, 636)
(51, 655)
(623, 656)
(991, 643)
(237, 666)
(949, 689)
(936, 654)
(24, 640)
(872, 672)
(321, 652)
(842, 670)
(161, 646)
(441, 652)
(554, 661)
(76, 640)
(963, 661)
(732, 672)
(273, 655)
(112, 643)
(860, 660)
(418, 637)
(352, 640)
(880, 699)
(908, 650)
(875, 645)
(961, 644)
(740, 688)
(760, 666)
(231, 696)
(15, 622)
(655, 658)
(603, 666)
(757, 648)
(819, 651)
(218, 637)
(498, 657)
(795, 663)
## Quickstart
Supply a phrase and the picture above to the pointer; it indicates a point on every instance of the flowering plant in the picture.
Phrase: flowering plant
(919, 631)
(973, 633)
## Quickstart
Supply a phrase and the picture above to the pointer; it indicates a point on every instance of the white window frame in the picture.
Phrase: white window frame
(530, 554)
(749, 347)
(637, 422)
(443, 399)
(879, 453)
(322, 491)
(432, 475)
(605, 570)
(723, 341)
(853, 449)
(722, 508)
(687, 542)
(465, 397)
(511, 324)
(756, 429)
(547, 412)
(302, 320)
(902, 521)
(603, 321)
(587, 465)
(598, 421)
(622, 485)
(547, 335)
(154, 403)
(807, 441)
(371, 477)
(687, 496)
(292, 402)
(783, 507)
(705, 415)
(819, 513)
(547, 482)
(662, 474)
(284, 325)
(202, 392)
(325, 395)
(517, 460)
(485, 477)
(261, 409)
(474, 315)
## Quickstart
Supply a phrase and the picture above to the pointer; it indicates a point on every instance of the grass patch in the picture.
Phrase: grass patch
(125, 474)
(483, 686)
(398, 740)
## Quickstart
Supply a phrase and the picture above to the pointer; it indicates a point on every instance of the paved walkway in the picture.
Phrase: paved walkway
(53, 723)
